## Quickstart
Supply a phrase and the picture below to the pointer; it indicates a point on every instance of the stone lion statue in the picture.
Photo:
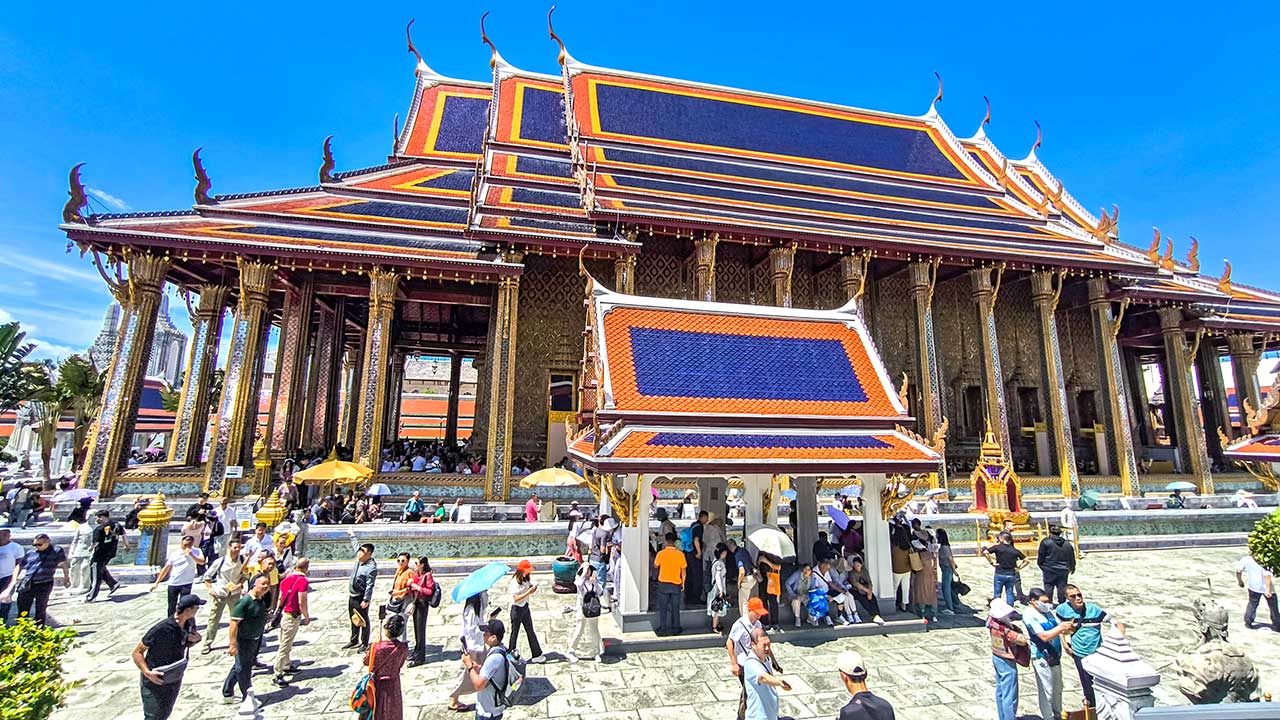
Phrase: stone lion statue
(1215, 671)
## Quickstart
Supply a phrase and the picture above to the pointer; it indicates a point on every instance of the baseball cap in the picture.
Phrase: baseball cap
(524, 566)
(850, 663)
(188, 601)
(756, 605)
(494, 627)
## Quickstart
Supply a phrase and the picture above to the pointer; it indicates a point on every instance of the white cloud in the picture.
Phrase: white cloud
(67, 270)
(51, 351)
(5, 316)
(115, 202)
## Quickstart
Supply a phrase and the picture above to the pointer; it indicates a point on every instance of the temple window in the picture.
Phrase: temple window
(974, 412)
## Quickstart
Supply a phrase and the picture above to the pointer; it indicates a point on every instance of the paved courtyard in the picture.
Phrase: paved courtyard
(945, 673)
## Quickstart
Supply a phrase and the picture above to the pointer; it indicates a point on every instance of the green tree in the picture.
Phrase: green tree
(31, 684)
(1264, 542)
(15, 379)
(80, 386)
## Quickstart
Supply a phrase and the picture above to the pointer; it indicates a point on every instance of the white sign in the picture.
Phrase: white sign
(234, 472)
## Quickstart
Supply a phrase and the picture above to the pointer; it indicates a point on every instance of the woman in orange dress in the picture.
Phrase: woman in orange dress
(384, 660)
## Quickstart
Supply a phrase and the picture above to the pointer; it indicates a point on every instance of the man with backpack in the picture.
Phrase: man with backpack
(498, 678)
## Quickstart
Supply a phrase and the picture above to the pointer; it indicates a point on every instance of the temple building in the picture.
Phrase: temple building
(168, 345)
(992, 294)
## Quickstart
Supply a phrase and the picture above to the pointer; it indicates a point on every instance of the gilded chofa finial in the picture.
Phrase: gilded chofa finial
(1224, 282)
(326, 163)
(1153, 252)
(937, 98)
(552, 31)
(1039, 138)
(75, 198)
(1166, 262)
(203, 184)
(408, 35)
(1193, 255)
(484, 38)
(986, 118)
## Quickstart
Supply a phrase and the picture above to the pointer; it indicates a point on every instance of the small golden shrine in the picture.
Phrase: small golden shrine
(997, 491)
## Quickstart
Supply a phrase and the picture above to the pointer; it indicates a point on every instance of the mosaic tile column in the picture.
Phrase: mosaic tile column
(1244, 371)
(139, 299)
(984, 293)
(782, 261)
(624, 275)
(320, 410)
(455, 392)
(192, 421)
(1186, 410)
(287, 420)
(377, 356)
(704, 257)
(921, 282)
(395, 392)
(237, 417)
(353, 367)
(1213, 397)
(1046, 288)
(502, 371)
(853, 281)
(1115, 403)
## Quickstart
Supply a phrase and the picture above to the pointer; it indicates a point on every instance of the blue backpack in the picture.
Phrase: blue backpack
(686, 539)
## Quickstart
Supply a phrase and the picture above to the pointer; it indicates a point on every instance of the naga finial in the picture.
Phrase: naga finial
(902, 390)
(484, 38)
(1166, 262)
(395, 134)
(1039, 137)
(937, 98)
(326, 163)
(1224, 282)
(203, 183)
(1193, 255)
(986, 118)
(1153, 252)
(552, 31)
(75, 198)
(408, 35)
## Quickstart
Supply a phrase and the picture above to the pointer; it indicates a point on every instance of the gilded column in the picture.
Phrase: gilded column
(502, 369)
(624, 274)
(781, 262)
(192, 421)
(704, 252)
(984, 292)
(354, 368)
(853, 281)
(1114, 404)
(287, 421)
(237, 417)
(1046, 289)
(377, 356)
(319, 413)
(1244, 371)
(1186, 411)
(455, 392)
(922, 277)
(139, 298)
(395, 392)
(1213, 397)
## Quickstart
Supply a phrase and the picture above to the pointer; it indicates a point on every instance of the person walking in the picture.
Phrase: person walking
(745, 572)
(739, 646)
(11, 555)
(1043, 630)
(1008, 643)
(863, 704)
(671, 566)
(400, 599)
(294, 613)
(717, 596)
(1085, 633)
(770, 572)
(359, 594)
(1007, 560)
(598, 551)
(80, 550)
(32, 582)
(107, 537)
(924, 582)
(180, 569)
(474, 611)
(425, 592)
(522, 588)
(1057, 560)
(950, 574)
(491, 665)
(248, 621)
(385, 660)
(224, 581)
(588, 622)
(161, 658)
(1260, 583)
(759, 679)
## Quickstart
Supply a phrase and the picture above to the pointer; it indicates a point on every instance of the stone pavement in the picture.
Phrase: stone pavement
(945, 673)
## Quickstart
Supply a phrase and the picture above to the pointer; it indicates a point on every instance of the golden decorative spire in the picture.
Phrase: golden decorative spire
(986, 118)
(1193, 255)
(1166, 262)
(937, 98)
(552, 31)
(408, 35)
(75, 198)
(1153, 252)
(326, 162)
(1224, 282)
(484, 38)
(203, 184)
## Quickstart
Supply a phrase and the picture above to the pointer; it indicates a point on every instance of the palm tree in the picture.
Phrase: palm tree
(15, 380)
(80, 386)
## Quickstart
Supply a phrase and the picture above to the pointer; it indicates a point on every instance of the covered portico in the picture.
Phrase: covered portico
(676, 387)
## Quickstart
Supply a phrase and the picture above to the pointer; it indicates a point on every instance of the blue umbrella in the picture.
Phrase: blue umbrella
(479, 581)
(789, 494)
(838, 517)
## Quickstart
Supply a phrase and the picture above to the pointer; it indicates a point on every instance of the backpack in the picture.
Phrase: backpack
(433, 600)
(362, 695)
(591, 604)
(513, 683)
(686, 540)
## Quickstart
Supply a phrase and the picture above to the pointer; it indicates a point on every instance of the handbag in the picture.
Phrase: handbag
(436, 594)
(961, 587)
(718, 605)
(916, 564)
(362, 697)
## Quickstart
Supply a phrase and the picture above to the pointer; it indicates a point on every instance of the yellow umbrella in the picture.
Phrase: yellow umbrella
(553, 477)
(339, 472)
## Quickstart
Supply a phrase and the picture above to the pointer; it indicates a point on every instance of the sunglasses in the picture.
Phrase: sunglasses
(1077, 596)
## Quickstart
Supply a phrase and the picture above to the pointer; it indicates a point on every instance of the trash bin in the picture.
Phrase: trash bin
(564, 570)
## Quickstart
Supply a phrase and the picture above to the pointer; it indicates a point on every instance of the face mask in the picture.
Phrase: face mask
(1044, 607)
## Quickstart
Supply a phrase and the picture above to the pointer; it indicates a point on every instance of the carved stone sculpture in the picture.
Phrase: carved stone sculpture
(1215, 671)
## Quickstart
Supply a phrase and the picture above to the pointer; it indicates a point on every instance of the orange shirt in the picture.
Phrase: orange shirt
(671, 565)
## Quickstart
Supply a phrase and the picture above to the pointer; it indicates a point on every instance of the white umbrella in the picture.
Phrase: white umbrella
(771, 540)
(378, 490)
(935, 492)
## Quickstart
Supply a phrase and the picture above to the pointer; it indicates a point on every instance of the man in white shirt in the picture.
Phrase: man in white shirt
(181, 569)
(230, 523)
(1067, 519)
(261, 540)
(11, 554)
(1261, 584)
(739, 645)
(224, 581)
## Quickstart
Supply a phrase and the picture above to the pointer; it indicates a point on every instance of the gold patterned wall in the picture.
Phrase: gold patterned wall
(802, 280)
(664, 269)
(956, 339)
(827, 294)
(891, 325)
(733, 273)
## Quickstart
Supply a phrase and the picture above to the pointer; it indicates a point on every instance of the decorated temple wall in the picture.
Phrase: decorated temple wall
(733, 273)
(890, 321)
(664, 268)
(956, 328)
(802, 290)
(827, 294)
(1017, 328)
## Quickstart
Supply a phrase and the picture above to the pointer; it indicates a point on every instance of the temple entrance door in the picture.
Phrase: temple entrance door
(562, 393)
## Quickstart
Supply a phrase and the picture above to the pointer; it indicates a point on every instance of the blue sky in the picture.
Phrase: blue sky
(1168, 110)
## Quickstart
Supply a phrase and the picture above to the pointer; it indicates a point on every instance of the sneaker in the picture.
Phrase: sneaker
(112, 590)
(572, 658)
(279, 681)
(829, 622)
(948, 612)
(538, 659)
(797, 622)
(777, 629)
(877, 620)
(933, 619)
(813, 622)
(228, 699)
